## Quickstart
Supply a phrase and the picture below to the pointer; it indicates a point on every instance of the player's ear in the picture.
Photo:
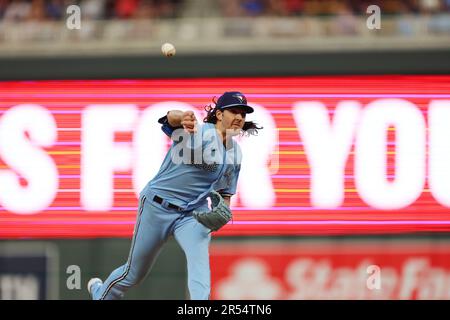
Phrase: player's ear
(219, 115)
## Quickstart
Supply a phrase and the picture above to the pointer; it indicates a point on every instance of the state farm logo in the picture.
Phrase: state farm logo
(250, 279)
(307, 278)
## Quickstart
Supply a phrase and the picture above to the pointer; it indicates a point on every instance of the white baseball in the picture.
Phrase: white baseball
(168, 49)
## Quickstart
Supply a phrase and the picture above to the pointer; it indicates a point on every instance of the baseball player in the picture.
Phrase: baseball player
(203, 161)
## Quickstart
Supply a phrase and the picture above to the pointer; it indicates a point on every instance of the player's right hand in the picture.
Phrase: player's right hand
(189, 122)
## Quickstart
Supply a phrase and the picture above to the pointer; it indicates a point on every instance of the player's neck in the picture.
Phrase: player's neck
(221, 134)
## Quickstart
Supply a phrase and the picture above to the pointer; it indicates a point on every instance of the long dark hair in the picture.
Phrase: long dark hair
(249, 128)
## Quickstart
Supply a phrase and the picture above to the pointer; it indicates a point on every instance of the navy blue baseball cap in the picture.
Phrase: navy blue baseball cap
(233, 99)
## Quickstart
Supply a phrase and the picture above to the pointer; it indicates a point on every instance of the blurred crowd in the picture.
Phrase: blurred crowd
(26, 10)
(36, 10)
(235, 8)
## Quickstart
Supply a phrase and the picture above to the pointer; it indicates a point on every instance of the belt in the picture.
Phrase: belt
(161, 201)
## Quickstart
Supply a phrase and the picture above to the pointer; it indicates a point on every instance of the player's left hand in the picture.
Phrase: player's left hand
(218, 216)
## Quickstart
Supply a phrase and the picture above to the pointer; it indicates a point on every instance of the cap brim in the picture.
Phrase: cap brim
(247, 108)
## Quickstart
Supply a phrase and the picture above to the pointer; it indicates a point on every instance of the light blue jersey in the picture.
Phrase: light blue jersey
(188, 184)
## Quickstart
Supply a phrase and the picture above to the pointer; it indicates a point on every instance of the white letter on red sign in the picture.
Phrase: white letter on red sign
(101, 156)
(370, 154)
(327, 145)
(255, 186)
(439, 151)
(25, 157)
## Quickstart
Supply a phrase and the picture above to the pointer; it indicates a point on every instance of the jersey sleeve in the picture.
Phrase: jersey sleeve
(166, 127)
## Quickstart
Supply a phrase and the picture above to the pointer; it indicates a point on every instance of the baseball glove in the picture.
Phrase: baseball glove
(218, 216)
